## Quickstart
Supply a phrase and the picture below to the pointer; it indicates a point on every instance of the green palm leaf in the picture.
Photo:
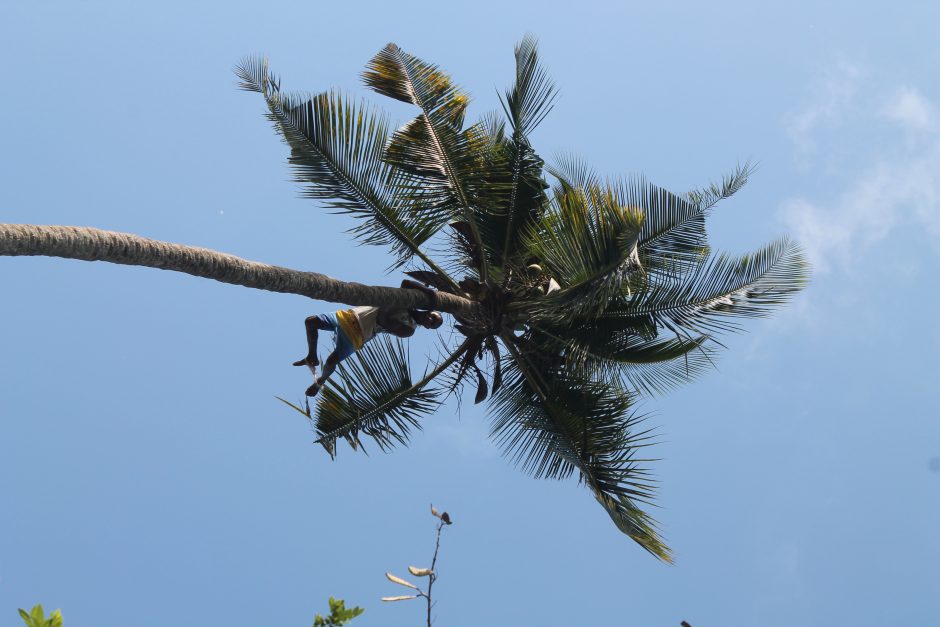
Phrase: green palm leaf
(572, 173)
(553, 425)
(337, 148)
(532, 95)
(654, 367)
(373, 396)
(446, 163)
(730, 184)
(674, 230)
(526, 104)
(708, 294)
(587, 242)
(610, 350)
(513, 198)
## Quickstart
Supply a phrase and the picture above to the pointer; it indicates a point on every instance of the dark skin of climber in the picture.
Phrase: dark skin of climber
(387, 320)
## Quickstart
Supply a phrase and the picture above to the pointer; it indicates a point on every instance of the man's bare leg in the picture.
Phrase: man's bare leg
(328, 367)
(312, 324)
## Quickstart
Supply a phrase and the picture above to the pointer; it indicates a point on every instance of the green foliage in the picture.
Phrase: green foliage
(602, 349)
(444, 163)
(674, 231)
(526, 103)
(591, 291)
(339, 614)
(554, 425)
(587, 242)
(373, 396)
(37, 618)
(337, 149)
(711, 292)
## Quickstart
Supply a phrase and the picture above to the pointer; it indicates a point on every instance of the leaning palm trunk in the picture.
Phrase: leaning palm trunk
(88, 244)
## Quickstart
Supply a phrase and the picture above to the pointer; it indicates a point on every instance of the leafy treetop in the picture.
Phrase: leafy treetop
(592, 291)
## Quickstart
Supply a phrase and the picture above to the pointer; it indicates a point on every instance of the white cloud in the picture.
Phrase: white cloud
(909, 108)
(899, 184)
(832, 96)
(841, 230)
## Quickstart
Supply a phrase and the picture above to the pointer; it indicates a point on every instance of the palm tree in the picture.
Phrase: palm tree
(570, 300)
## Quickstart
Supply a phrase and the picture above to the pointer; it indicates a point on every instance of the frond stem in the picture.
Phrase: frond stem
(448, 166)
(516, 175)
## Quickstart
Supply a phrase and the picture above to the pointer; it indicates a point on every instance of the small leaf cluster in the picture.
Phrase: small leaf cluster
(37, 618)
(339, 614)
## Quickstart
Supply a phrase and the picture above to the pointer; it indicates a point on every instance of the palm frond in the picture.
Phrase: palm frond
(444, 161)
(572, 173)
(656, 367)
(553, 426)
(710, 293)
(526, 104)
(337, 149)
(707, 197)
(587, 242)
(305, 411)
(494, 126)
(674, 231)
(533, 93)
(610, 350)
(513, 200)
(372, 396)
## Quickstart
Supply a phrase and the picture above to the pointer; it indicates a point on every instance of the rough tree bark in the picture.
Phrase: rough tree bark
(89, 244)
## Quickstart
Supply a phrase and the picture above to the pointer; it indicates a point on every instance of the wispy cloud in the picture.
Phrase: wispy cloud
(833, 95)
(840, 230)
(911, 110)
(898, 180)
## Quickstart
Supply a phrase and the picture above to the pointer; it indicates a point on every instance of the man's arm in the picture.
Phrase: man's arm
(408, 284)
(394, 326)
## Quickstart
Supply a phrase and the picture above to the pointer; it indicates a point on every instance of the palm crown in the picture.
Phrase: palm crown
(591, 292)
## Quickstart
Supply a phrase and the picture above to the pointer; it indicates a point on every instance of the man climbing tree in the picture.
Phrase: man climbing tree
(352, 328)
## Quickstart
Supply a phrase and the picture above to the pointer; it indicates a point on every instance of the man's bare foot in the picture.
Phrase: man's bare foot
(307, 361)
(313, 389)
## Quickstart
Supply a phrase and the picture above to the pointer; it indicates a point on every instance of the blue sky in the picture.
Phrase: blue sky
(148, 477)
